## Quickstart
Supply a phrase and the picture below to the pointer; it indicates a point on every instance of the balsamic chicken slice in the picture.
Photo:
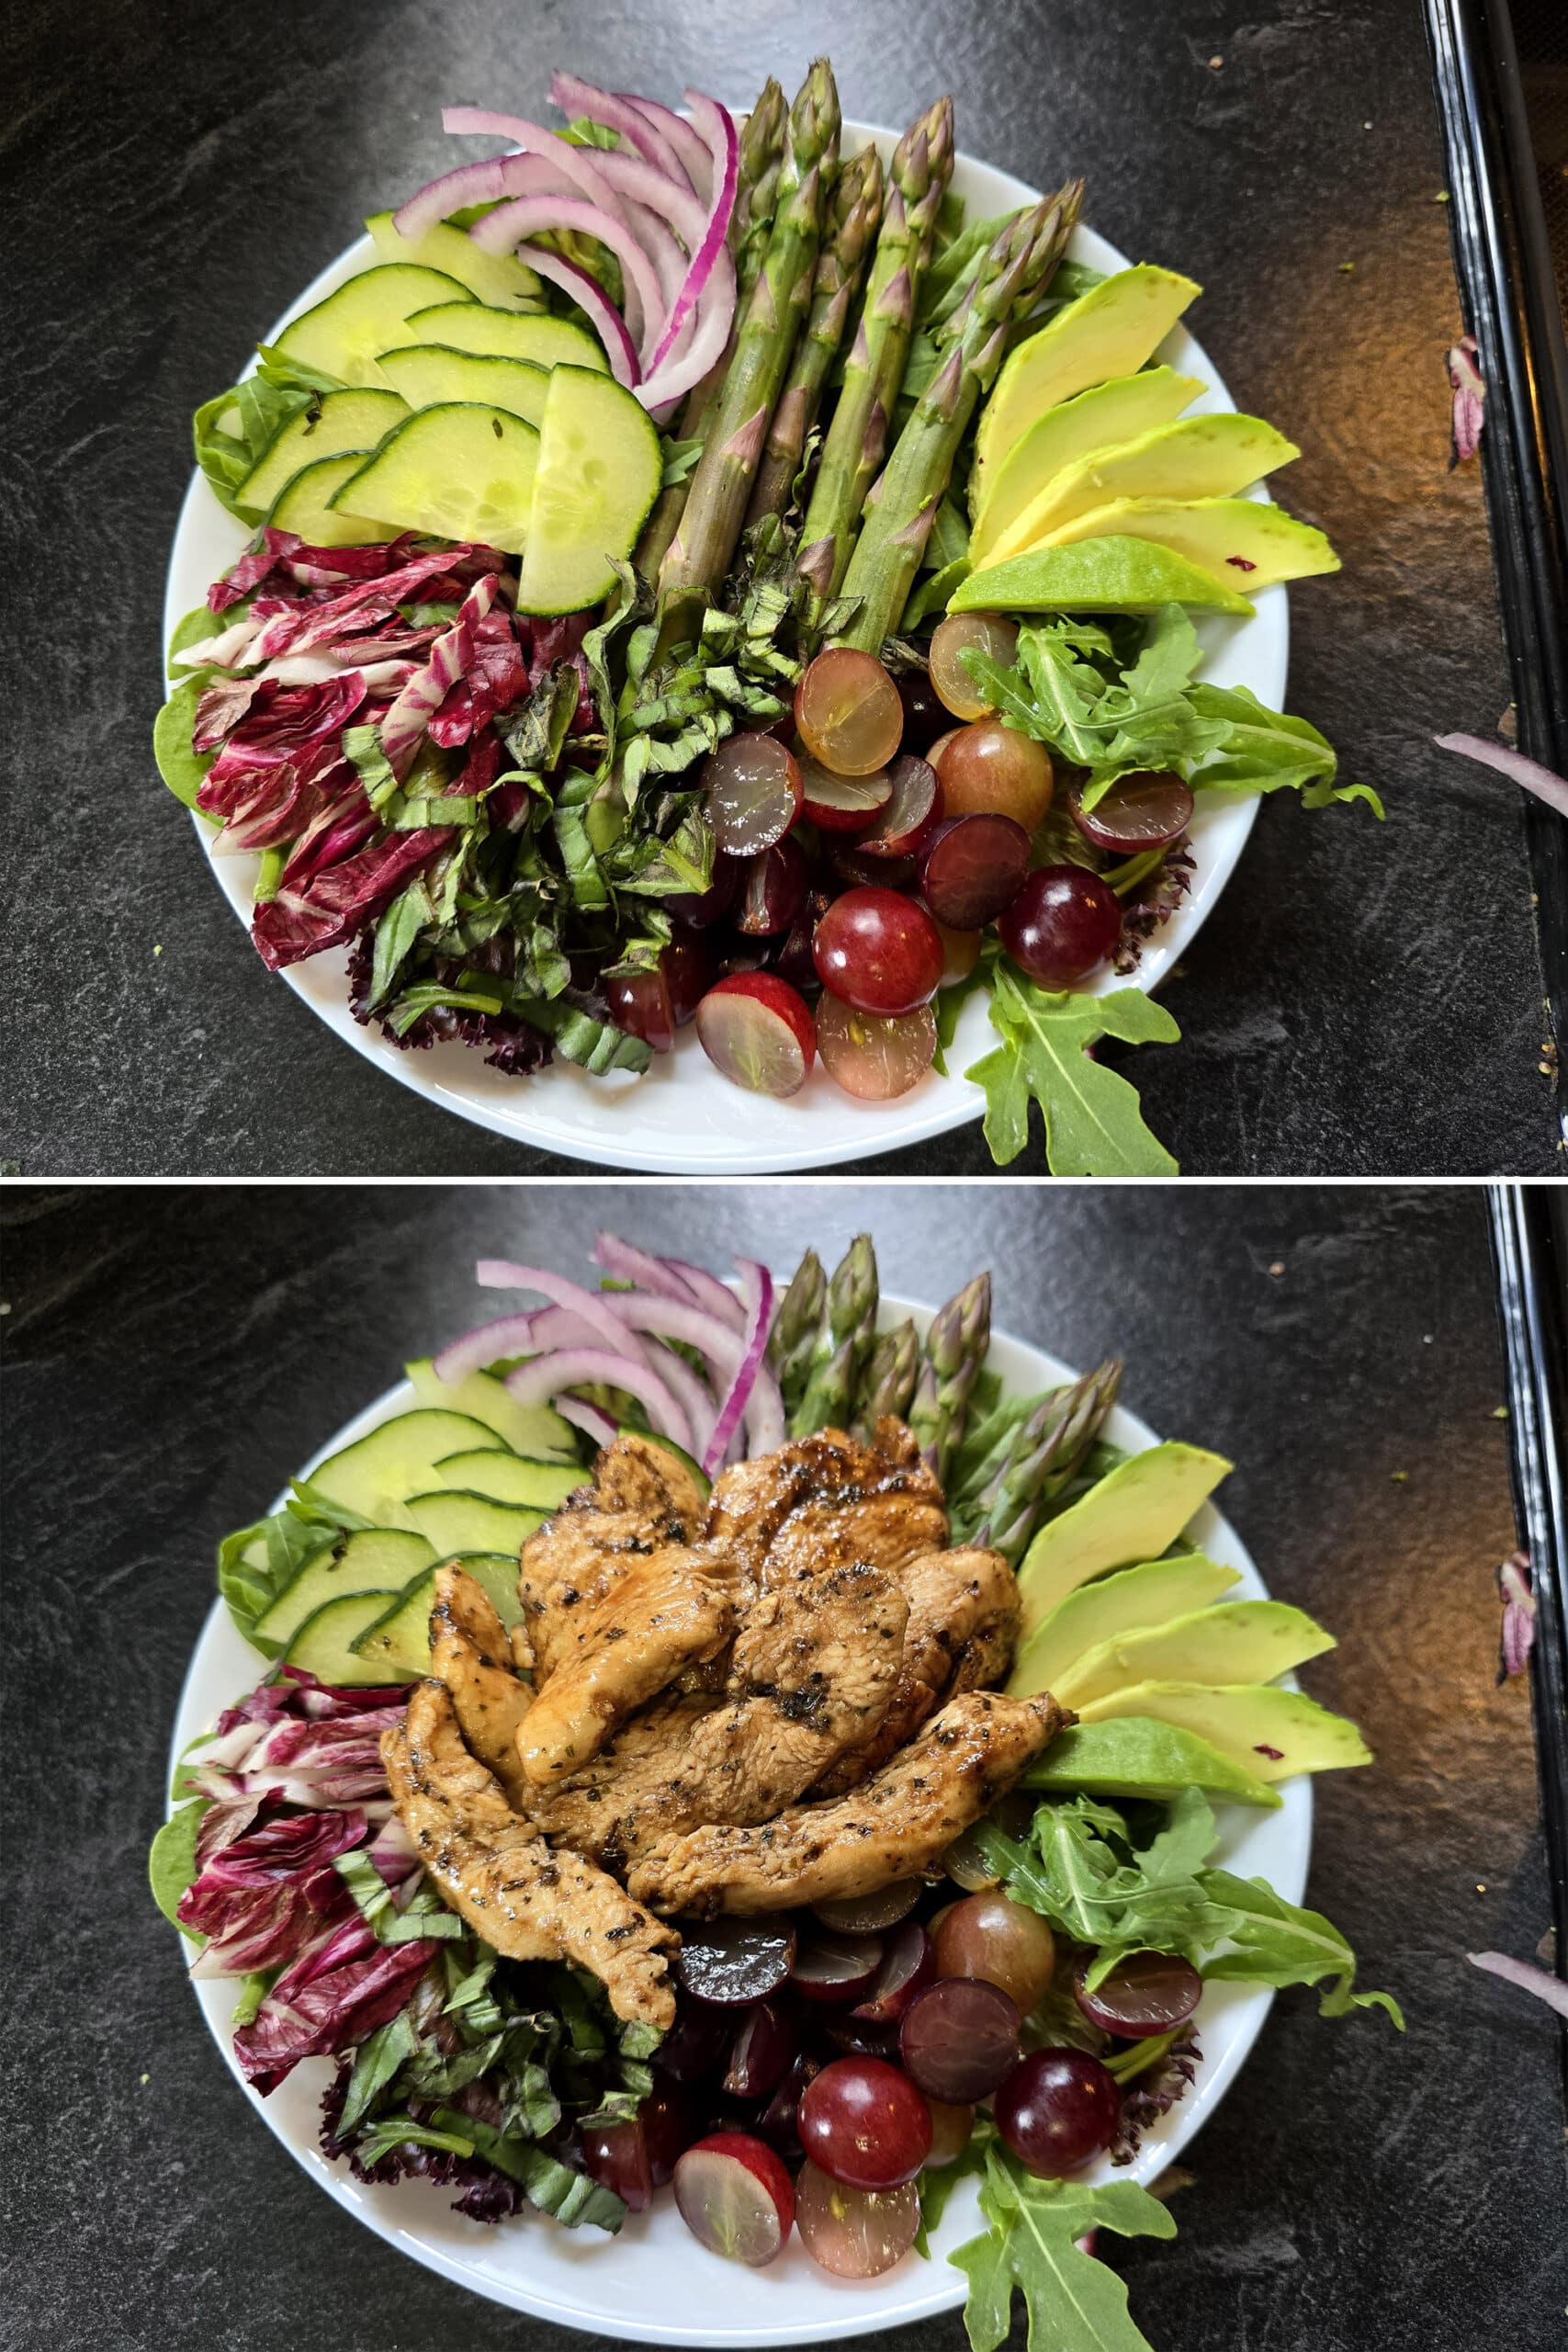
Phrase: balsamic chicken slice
(897, 1825)
(470, 1653)
(640, 1498)
(530, 1901)
(826, 1502)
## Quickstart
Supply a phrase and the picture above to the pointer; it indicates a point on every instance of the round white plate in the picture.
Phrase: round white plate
(654, 2284)
(681, 1116)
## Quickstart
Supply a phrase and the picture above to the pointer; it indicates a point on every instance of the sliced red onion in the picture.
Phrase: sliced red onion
(578, 164)
(640, 183)
(581, 101)
(404, 725)
(674, 1318)
(695, 1396)
(544, 1377)
(590, 298)
(558, 1327)
(627, 1263)
(709, 1293)
(502, 1273)
(681, 369)
(1529, 1978)
(695, 161)
(1470, 396)
(512, 1335)
(1553, 789)
(490, 182)
(717, 127)
(589, 1419)
(757, 1285)
(500, 232)
(764, 1414)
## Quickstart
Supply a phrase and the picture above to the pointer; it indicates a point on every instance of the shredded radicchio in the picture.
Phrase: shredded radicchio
(1155, 904)
(1150, 2096)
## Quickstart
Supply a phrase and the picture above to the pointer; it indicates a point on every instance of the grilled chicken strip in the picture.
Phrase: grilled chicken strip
(639, 1499)
(811, 1676)
(529, 1901)
(897, 1825)
(964, 1615)
(664, 1613)
(470, 1653)
(825, 1500)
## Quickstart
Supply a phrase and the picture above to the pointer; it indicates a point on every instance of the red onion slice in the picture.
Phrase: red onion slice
(590, 298)
(678, 370)
(503, 1273)
(497, 178)
(717, 127)
(577, 99)
(695, 161)
(1527, 773)
(1529, 1978)
(639, 183)
(500, 232)
(578, 164)
(589, 1419)
(542, 1380)
(512, 1335)
(757, 1286)
(692, 1393)
(627, 1263)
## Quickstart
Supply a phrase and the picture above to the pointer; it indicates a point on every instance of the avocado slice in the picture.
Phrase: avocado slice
(1238, 1641)
(1150, 1594)
(1108, 332)
(534, 1431)
(1101, 418)
(1242, 539)
(1139, 1756)
(1196, 456)
(499, 279)
(1267, 1731)
(1135, 1512)
(1109, 575)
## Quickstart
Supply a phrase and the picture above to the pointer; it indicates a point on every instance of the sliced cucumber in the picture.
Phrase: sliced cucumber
(536, 1431)
(454, 1522)
(428, 373)
(322, 1643)
(342, 335)
(373, 1559)
(503, 335)
(459, 471)
(336, 421)
(542, 1485)
(397, 1644)
(376, 1476)
(500, 279)
(496, 1573)
(652, 1437)
(600, 467)
(301, 505)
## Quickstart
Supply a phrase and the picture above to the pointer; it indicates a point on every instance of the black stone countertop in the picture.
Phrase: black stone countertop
(1365, 1001)
(173, 1355)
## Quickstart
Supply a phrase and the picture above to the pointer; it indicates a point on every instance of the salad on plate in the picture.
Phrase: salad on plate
(698, 577)
(725, 1750)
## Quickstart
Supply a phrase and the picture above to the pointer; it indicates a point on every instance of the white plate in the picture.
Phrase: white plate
(682, 1116)
(654, 2284)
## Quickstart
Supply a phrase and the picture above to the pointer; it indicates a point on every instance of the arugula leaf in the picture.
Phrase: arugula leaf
(1093, 1125)
(1070, 2300)
(1283, 1945)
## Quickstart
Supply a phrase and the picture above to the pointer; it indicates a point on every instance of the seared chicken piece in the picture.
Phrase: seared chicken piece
(530, 1902)
(664, 1613)
(470, 1653)
(823, 1501)
(640, 1499)
(964, 1613)
(897, 1825)
(812, 1674)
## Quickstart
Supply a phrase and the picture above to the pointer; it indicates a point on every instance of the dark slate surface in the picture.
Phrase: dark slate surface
(1365, 1001)
(175, 1355)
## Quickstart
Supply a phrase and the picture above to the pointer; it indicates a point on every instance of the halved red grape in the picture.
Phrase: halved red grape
(836, 1968)
(966, 1866)
(701, 907)
(696, 2044)
(843, 804)
(764, 2050)
(907, 1963)
(871, 1915)
(732, 1961)
(991, 1937)
(633, 2159)
(736, 2197)
(753, 793)
(1140, 811)
(857, 869)
(878, 950)
(778, 2120)
(912, 811)
(848, 711)
(971, 868)
(962, 633)
(855, 2233)
(758, 1031)
(959, 2038)
(951, 2128)
(774, 891)
(846, 2029)
(652, 1005)
(875, 1058)
(1062, 924)
(1149, 1992)
(992, 770)
(863, 2123)
(960, 953)
(925, 713)
(791, 958)
(1058, 2109)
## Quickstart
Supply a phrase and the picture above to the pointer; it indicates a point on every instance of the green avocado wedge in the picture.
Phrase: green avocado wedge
(1128, 1601)
(1105, 576)
(1196, 456)
(1236, 1641)
(1133, 1513)
(1139, 1756)
(1101, 418)
(1267, 1731)
(1230, 538)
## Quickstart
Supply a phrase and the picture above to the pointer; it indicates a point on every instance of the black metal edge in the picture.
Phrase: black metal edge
(1532, 1265)
(1509, 296)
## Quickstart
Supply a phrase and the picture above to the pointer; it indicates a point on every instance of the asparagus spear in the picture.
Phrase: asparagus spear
(918, 176)
(1046, 1451)
(700, 552)
(797, 1327)
(846, 240)
(955, 1348)
(891, 1372)
(756, 193)
(881, 571)
(835, 1380)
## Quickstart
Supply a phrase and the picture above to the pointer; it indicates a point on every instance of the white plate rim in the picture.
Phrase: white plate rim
(701, 1131)
(915, 2289)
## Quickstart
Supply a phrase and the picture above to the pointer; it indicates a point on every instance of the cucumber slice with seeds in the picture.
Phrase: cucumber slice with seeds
(428, 373)
(599, 472)
(500, 279)
(454, 1522)
(303, 505)
(397, 1644)
(342, 335)
(373, 1559)
(547, 342)
(541, 1486)
(536, 1431)
(321, 1645)
(335, 422)
(461, 471)
(374, 1476)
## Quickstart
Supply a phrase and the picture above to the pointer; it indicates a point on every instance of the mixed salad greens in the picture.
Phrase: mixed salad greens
(700, 576)
(1038, 2008)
